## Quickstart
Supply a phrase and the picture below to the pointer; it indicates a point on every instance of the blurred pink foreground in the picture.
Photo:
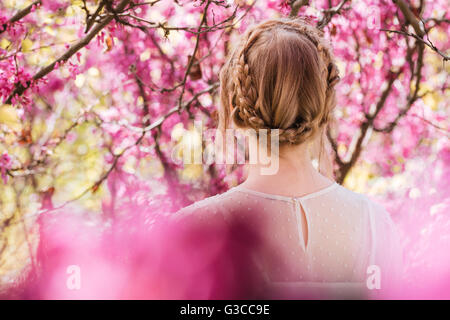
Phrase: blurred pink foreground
(144, 255)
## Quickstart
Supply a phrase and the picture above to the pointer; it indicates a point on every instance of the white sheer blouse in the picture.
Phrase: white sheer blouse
(319, 245)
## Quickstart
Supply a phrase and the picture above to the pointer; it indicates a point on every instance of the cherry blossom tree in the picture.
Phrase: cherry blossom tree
(95, 94)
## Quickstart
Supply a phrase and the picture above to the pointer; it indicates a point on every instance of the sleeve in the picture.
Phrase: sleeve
(387, 252)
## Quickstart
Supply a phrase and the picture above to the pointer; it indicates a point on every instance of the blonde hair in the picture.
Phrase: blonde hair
(281, 75)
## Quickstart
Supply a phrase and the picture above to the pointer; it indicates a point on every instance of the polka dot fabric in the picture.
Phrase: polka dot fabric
(321, 241)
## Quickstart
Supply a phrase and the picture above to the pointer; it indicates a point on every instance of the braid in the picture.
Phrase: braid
(246, 104)
(246, 111)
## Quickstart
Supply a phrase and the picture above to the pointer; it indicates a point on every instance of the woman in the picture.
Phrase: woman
(315, 238)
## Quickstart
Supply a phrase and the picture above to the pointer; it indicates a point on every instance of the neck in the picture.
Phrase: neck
(295, 175)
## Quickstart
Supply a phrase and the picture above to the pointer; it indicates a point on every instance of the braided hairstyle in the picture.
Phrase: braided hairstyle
(281, 75)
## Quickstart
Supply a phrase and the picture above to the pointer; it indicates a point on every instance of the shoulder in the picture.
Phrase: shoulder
(380, 217)
(214, 205)
(366, 204)
(352, 198)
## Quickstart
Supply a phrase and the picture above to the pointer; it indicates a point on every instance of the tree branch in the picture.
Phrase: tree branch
(364, 129)
(330, 13)
(427, 43)
(19, 15)
(295, 7)
(20, 89)
(412, 97)
(410, 17)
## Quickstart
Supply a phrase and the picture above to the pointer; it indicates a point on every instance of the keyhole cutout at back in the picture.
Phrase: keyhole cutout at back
(302, 223)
